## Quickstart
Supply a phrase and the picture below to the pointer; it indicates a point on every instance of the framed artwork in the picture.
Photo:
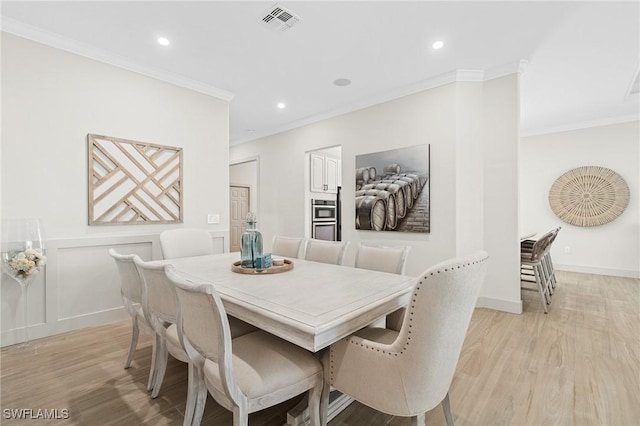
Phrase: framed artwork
(133, 182)
(392, 190)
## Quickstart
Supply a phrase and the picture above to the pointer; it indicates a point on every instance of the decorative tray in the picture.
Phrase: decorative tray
(288, 265)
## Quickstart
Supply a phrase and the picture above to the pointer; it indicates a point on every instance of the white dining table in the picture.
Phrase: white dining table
(312, 305)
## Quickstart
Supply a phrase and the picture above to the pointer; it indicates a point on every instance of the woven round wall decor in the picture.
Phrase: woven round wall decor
(589, 196)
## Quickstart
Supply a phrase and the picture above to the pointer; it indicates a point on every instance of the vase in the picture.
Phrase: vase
(22, 256)
(250, 243)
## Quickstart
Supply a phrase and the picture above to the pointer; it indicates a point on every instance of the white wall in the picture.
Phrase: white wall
(450, 118)
(610, 249)
(51, 100)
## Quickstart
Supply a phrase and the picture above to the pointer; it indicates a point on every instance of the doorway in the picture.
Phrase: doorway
(243, 197)
(239, 207)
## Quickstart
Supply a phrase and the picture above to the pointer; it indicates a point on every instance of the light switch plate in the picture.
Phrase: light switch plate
(213, 218)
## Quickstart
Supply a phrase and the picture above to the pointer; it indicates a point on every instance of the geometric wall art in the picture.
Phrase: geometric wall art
(133, 182)
(392, 190)
(589, 196)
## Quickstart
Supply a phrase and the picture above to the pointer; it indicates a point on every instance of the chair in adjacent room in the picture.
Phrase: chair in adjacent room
(131, 292)
(243, 374)
(537, 268)
(408, 372)
(289, 247)
(384, 259)
(332, 252)
(185, 242)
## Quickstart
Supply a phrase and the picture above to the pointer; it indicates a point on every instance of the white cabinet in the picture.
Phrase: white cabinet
(325, 173)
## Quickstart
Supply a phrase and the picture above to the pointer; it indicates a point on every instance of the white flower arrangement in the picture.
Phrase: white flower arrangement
(26, 263)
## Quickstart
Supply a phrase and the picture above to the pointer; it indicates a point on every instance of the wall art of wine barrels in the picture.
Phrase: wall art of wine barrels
(392, 169)
(398, 194)
(407, 191)
(133, 182)
(371, 213)
(406, 188)
(389, 201)
(362, 174)
(589, 196)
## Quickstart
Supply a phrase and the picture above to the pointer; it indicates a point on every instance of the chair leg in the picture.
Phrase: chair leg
(152, 370)
(315, 395)
(135, 331)
(161, 367)
(541, 290)
(240, 417)
(447, 410)
(201, 397)
(418, 420)
(191, 395)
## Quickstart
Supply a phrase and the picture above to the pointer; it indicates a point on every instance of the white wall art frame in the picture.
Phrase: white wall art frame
(133, 182)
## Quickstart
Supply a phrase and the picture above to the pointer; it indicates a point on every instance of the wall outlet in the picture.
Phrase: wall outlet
(567, 249)
(213, 218)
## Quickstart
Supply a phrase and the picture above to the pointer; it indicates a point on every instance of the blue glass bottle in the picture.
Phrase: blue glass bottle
(250, 243)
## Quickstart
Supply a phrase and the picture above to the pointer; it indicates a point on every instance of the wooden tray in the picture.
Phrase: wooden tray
(288, 265)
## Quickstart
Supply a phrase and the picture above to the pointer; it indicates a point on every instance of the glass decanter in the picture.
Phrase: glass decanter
(250, 243)
(22, 256)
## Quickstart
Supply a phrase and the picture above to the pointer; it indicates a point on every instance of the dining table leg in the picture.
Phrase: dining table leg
(332, 402)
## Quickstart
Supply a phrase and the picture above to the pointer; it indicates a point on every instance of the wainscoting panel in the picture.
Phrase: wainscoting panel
(88, 279)
(79, 287)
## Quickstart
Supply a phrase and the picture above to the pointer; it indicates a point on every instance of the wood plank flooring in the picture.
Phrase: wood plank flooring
(578, 365)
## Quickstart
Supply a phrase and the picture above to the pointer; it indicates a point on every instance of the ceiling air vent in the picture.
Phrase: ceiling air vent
(280, 18)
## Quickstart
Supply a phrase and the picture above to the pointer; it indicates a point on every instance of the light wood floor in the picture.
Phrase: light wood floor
(578, 365)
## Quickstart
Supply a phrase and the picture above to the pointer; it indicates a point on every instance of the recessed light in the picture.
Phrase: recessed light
(281, 105)
(342, 82)
(163, 41)
(438, 44)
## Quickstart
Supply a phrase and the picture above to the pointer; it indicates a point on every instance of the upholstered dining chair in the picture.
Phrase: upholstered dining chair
(185, 242)
(131, 292)
(384, 259)
(160, 305)
(244, 374)
(288, 247)
(332, 252)
(409, 372)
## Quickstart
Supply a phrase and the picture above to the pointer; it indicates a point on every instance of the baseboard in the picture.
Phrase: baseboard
(510, 306)
(627, 273)
(37, 331)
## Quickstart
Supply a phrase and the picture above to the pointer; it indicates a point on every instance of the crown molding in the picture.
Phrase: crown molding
(426, 84)
(579, 125)
(517, 67)
(21, 29)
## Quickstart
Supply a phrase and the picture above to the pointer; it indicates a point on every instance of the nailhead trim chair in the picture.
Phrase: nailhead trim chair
(409, 372)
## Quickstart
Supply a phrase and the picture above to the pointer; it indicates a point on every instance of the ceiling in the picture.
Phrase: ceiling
(581, 57)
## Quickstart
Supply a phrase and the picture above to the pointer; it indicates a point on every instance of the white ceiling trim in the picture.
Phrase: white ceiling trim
(21, 29)
(580, 125)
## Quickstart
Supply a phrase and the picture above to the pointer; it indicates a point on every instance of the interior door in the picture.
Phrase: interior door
(239, 207)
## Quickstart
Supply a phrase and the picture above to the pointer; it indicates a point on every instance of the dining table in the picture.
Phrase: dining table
(311, 305)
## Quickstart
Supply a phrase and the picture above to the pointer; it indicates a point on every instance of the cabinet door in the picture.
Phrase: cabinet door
(331, 173)
(317, 173)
